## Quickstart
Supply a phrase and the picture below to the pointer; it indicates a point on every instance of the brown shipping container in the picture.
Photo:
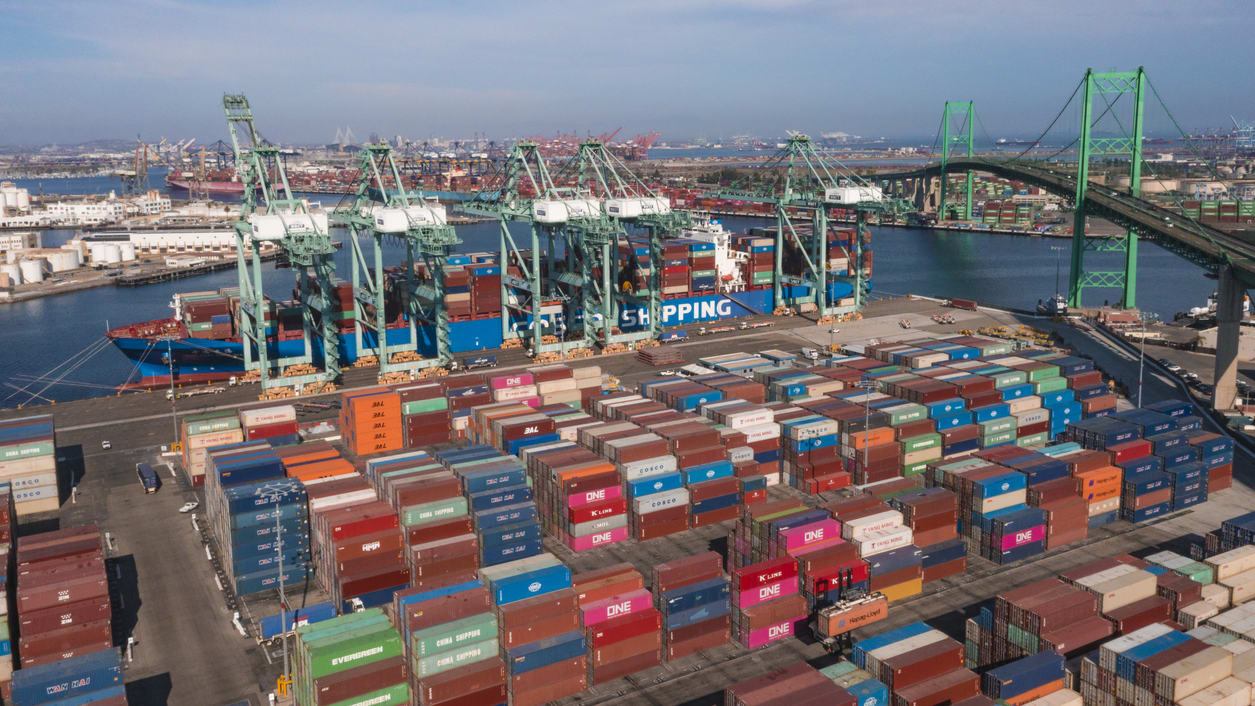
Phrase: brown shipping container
(71, 591)
(71, 546)
(626, 648)
(548, 692)
(903, 670)
(34, 622)
(688, 570)
(451, 527)
(65, 639)
(777, 611)
(446, 608)
(488, 696)
(722, 623)
(529, 610)
(676, 650)
(37, 575)
(540, 629)
(35, 660)
(945, 689)
(558, 671)
(360, 680)
(628, 665)
(1079, 636)
(469, 678)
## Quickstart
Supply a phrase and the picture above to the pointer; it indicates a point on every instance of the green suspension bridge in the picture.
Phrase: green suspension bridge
(1229, 256)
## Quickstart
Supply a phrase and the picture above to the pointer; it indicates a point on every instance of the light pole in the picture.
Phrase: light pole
(867, 384)
(174, 414)
(1141, 357)
(1058, 254)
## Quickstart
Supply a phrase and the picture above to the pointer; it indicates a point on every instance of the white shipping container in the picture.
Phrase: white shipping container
(648, 467)
(1216, 595)
(860, 528)
(1123, 590)
(1023, 405)
(519, 392)
(1226, 692)
(329, 502)
(34, 464)
(761, 432)
(561, 397)
(215, 438)
(1104, 506)
(1105, 575)
(1062, 697)
(1194, 614)
(1241, 587)
(555, 385)
(1194, 673)
(33, 480)
(587, 371)
(1004, 501)
(883, 541)
(268, 415)
(750, 419)
(1233, 562)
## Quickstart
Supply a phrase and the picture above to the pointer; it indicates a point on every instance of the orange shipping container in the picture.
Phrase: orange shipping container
(872, 437)
(1099, 483)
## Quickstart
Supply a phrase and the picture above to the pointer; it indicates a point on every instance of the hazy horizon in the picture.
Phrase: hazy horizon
(74, 72)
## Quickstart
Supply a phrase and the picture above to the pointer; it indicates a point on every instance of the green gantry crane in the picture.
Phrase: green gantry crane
(812, 184)
(627, 202)
(269, 213)
(380, 211)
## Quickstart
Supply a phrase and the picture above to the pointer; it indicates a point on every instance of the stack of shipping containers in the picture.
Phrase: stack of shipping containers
(63, 605)
(28, 464)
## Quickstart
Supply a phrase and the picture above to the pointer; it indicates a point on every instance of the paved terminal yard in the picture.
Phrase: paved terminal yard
(188, 651)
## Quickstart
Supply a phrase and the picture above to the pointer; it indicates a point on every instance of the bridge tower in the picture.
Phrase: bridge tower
(1103, 85)
(949, 143)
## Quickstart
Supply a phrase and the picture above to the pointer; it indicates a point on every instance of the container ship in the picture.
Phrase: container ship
(707, 275)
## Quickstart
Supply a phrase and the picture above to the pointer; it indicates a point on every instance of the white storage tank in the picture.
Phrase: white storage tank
(32, 270)
(128, 251)
(61, 261)
(23, 200)
(8, 195)
(13, 271)
(111, 254)
(73, 249)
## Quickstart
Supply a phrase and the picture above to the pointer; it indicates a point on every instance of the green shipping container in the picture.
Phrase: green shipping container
(1197, 571)
(1000, 438)
(995, 349)
(1044, 373)
(1050, 385)
(353, 652)
(997, 426)
(921, 442)
(453, 634)
(1041, 438)
(838, 669)
(903, 414)
(421, 406)
(454, 658)
(396, 694)
(1010, 378)
(430, 512)
(34, 449)
(914, 469)
(763, 277)
(211, 425)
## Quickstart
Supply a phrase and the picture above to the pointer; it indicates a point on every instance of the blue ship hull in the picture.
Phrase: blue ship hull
(203, 359)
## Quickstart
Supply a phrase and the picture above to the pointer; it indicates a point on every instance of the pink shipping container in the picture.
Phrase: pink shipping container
(769, 634)
(599, 539)
(595, 496)
(498, 382)
(770, 592)
(616, 606)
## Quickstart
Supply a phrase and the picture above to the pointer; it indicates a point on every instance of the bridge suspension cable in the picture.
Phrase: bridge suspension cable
(1052, 122)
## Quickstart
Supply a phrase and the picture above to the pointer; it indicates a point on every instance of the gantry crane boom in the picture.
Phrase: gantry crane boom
(811, 184)
(382, 208)
(275, 216)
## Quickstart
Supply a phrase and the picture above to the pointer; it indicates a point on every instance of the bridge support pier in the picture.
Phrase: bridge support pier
(1228, 317)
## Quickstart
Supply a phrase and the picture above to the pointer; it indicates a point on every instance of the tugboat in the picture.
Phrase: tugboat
(1054, 306)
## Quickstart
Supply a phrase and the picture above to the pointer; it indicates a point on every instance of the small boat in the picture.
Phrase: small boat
(1054, 306)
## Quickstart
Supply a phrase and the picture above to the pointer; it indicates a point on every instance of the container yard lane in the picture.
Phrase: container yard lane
(186, 650)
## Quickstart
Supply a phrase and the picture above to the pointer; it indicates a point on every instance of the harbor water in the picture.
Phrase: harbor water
(999, 270)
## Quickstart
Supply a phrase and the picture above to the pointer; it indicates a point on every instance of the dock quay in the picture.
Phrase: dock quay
(169, 587)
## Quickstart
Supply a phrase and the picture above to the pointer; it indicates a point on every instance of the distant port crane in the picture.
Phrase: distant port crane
(812, 184)
(382, 209)
(278, 217)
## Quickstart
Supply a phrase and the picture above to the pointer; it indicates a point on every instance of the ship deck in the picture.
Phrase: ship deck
(187, 648)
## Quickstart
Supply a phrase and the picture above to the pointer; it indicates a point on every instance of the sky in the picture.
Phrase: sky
(76, 70)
